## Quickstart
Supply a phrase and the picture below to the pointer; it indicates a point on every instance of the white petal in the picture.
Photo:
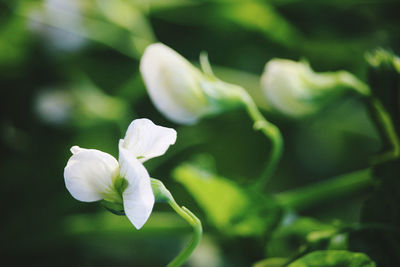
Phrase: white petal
(173, 84)
(145, 140)
(138, 197)
(89, 174)
(284, 87)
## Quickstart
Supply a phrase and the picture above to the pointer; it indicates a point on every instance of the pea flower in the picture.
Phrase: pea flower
(92, 175)
(294, 89)
(182, 92)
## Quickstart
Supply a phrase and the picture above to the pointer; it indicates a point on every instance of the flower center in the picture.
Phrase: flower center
(113, 200)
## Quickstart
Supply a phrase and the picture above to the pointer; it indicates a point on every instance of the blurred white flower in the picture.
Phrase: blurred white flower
(45, 19)
(80, 104)
(295, 90)
(182, 92)
(54, 106)
(92, 175)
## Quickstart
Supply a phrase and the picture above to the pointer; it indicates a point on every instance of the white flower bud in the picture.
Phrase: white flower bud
(294, 89)
(181, 91)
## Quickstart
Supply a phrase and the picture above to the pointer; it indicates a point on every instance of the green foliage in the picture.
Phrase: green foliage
(261, 17)
(303, 234)
(271, 262)
(333, 258)
(380, 238)
(69, 74)
(232, 209)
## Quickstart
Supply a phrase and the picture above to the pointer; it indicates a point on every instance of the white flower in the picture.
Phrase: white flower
(92, 175)
(294, 89)
(179, 90)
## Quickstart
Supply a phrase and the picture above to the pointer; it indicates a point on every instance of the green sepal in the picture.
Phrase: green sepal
(114, 207)
(114, 201)
(161, 193)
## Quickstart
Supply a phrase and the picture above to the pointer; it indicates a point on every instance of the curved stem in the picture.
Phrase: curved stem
(162, 194)
(386, 130)
(197, 229)
(272, 132)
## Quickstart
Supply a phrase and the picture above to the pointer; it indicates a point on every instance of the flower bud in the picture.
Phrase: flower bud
(182, 92)
(294, 89)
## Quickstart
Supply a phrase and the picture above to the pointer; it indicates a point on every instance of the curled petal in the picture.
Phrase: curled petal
(145, 140)
(138, 196)
(89, 174)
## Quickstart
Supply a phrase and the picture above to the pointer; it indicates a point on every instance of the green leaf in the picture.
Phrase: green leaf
(261, 17)
(333, 258)
(287, 240)
(271, 262)
(230, 208)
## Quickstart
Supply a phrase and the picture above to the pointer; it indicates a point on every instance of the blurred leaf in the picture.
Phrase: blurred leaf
(326, 190)
(112, 240)
(128, 34)
(259, 16)
(381, 208)
(107, 223)
(14, 41)
(333, 258)
(127, 15)
(82, 105)
(271, 262)
(93, 104)
(288, 239)
(253, 15)
(169, 4)
(229, 207)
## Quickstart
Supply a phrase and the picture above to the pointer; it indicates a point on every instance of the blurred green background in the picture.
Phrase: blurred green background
(69, 76)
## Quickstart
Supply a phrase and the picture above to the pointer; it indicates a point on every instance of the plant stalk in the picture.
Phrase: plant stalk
(334, 188)
(272, 132)
(197, 229)
(386, 130)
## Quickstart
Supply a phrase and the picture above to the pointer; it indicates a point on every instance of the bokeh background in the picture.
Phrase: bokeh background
(69, 76)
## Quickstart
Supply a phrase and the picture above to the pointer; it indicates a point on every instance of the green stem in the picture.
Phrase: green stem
(273, 133)
(162, 194)
(332, 189)
(197, 228)
(205, 64)
(386, 130)
(349, 80)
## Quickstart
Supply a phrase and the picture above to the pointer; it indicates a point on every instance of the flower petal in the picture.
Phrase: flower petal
(145, 140)
(89, 174)
(138, 197)
(173, 84)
